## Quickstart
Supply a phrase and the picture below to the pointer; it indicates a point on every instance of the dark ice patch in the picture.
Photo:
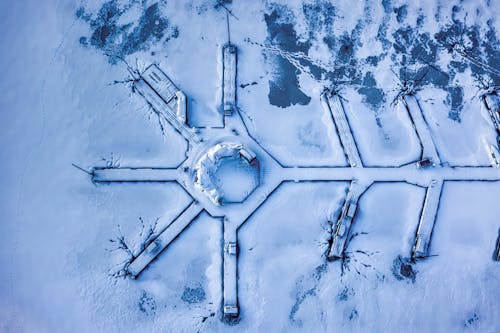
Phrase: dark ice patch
(372, 95)
(422, 76)
(319, 15)
(492, 52)
(455, 99)
(420, 21)
(353, 315)
(479, 53)
(413, 48)
(117, 39)
(457, 66)
(401, 13)
(402, 269)
(382, 34)
(419, 51)
(346, 63)
(193, 295)
(284, 88)
(83, 41)
(372, 60)
(349, 67)
(387, 6)
(478, 49)
(455, 11)
(424, 50)
(346, 50)
(147, 304)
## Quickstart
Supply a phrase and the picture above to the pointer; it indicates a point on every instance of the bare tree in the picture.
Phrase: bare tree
(131, 249)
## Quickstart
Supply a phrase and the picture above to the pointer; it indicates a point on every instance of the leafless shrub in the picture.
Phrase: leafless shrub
(111, 161)
(131, 249)
(485, 85)
(409, 84)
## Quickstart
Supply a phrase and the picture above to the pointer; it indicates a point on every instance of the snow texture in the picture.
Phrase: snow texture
(69, 233)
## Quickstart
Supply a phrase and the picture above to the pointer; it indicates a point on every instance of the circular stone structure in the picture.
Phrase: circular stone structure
(227, 173)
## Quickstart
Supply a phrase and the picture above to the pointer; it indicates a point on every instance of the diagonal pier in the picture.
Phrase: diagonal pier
(166, 99)
(164, 239)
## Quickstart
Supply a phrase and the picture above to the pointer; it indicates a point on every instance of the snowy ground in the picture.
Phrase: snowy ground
(63, 102)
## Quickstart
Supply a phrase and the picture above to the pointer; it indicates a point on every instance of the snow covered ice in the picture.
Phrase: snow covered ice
(249, 166)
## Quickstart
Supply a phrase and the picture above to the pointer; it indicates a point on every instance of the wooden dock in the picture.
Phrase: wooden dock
(164, 239)
(343, 226)
(229, 63)
(230, 274)
(166, 99)
(427, 220)
(429, 151)
(333, 105)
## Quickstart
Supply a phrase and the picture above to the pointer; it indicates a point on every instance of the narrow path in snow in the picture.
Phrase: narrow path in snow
(133, 175)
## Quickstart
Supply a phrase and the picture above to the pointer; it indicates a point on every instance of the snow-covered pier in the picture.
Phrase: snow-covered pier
(333, 105)
(492, 103)
(427, 220)
(410, 174)
(342, 228)
(230, 273)
(164, 239)
(160, 83)
(429, 151)
(166, 99)
(229, 59)
(109, 175)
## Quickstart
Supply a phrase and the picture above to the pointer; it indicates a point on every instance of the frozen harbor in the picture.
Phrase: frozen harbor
(212, 166)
